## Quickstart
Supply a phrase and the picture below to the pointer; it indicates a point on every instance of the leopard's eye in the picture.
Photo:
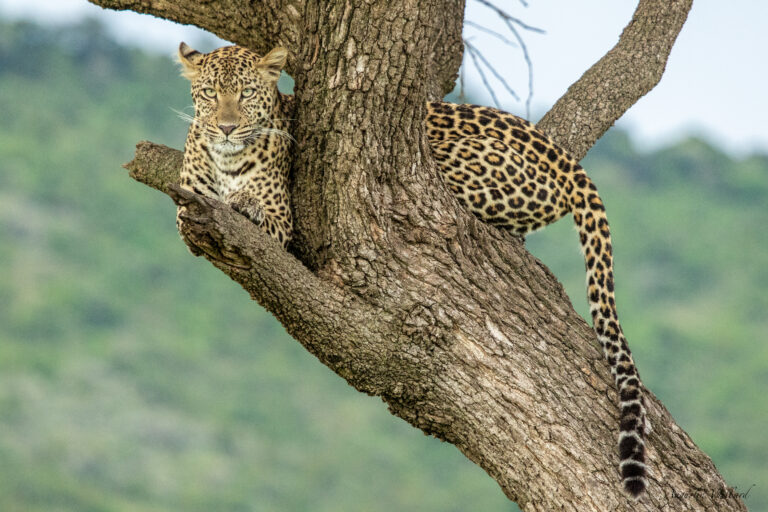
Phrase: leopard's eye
(210, 92)
(247, 92)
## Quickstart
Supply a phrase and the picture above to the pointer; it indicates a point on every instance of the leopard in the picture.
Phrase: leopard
(512, 175)
(500, 167)
(237, 148)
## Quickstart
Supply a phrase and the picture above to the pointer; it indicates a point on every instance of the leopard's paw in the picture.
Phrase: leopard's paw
(249, 207)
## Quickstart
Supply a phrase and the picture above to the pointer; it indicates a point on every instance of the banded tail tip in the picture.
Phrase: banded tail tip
(635, 486)
(633, 478)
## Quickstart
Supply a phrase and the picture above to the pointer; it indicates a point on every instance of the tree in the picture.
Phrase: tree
(396, 288)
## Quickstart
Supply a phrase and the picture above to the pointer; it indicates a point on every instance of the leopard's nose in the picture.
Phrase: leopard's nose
(227, 128)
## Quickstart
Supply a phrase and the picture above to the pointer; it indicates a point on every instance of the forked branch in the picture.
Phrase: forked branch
(458, 393)
(332, 324)
(456, 327)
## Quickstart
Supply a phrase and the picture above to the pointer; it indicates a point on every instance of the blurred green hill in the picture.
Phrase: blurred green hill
(134, 377)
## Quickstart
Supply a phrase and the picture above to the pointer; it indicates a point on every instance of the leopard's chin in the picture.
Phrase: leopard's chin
(228, 147)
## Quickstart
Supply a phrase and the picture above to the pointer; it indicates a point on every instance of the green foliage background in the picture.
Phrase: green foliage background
(134, 377)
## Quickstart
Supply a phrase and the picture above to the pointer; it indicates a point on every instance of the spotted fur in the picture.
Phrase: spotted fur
(237, 147)
(510, 174)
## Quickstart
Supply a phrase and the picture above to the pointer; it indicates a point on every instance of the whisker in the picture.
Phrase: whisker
(273, 131)
(184, 116)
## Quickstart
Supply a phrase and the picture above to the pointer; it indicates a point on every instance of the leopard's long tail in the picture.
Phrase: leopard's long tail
(589, 215)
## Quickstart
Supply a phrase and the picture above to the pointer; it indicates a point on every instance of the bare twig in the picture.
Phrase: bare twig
(472, 51)
(509, 18)
(512, 24)
(529, 64)
(479, 55)
(495, 34)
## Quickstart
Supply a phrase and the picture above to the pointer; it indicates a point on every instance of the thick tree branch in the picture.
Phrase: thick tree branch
(624, 75)
(260, 25)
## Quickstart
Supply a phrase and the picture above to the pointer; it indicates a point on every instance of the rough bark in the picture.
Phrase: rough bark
(397, 289)
(260, 25)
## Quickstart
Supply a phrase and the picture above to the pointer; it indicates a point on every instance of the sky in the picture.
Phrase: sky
(714, 86)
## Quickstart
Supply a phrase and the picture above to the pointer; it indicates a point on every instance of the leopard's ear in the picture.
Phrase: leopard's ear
(272, 63)
(190, 60)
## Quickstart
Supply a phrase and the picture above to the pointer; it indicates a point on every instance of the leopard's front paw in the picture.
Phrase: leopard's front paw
(249, 207)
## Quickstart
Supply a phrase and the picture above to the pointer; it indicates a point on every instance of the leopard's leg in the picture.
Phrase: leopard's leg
(266, 205)
(196, 176)
(278, 220)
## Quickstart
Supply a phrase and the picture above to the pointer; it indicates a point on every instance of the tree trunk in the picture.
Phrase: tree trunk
(404, 294)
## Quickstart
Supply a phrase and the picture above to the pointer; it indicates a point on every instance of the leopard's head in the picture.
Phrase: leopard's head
(235, 91)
